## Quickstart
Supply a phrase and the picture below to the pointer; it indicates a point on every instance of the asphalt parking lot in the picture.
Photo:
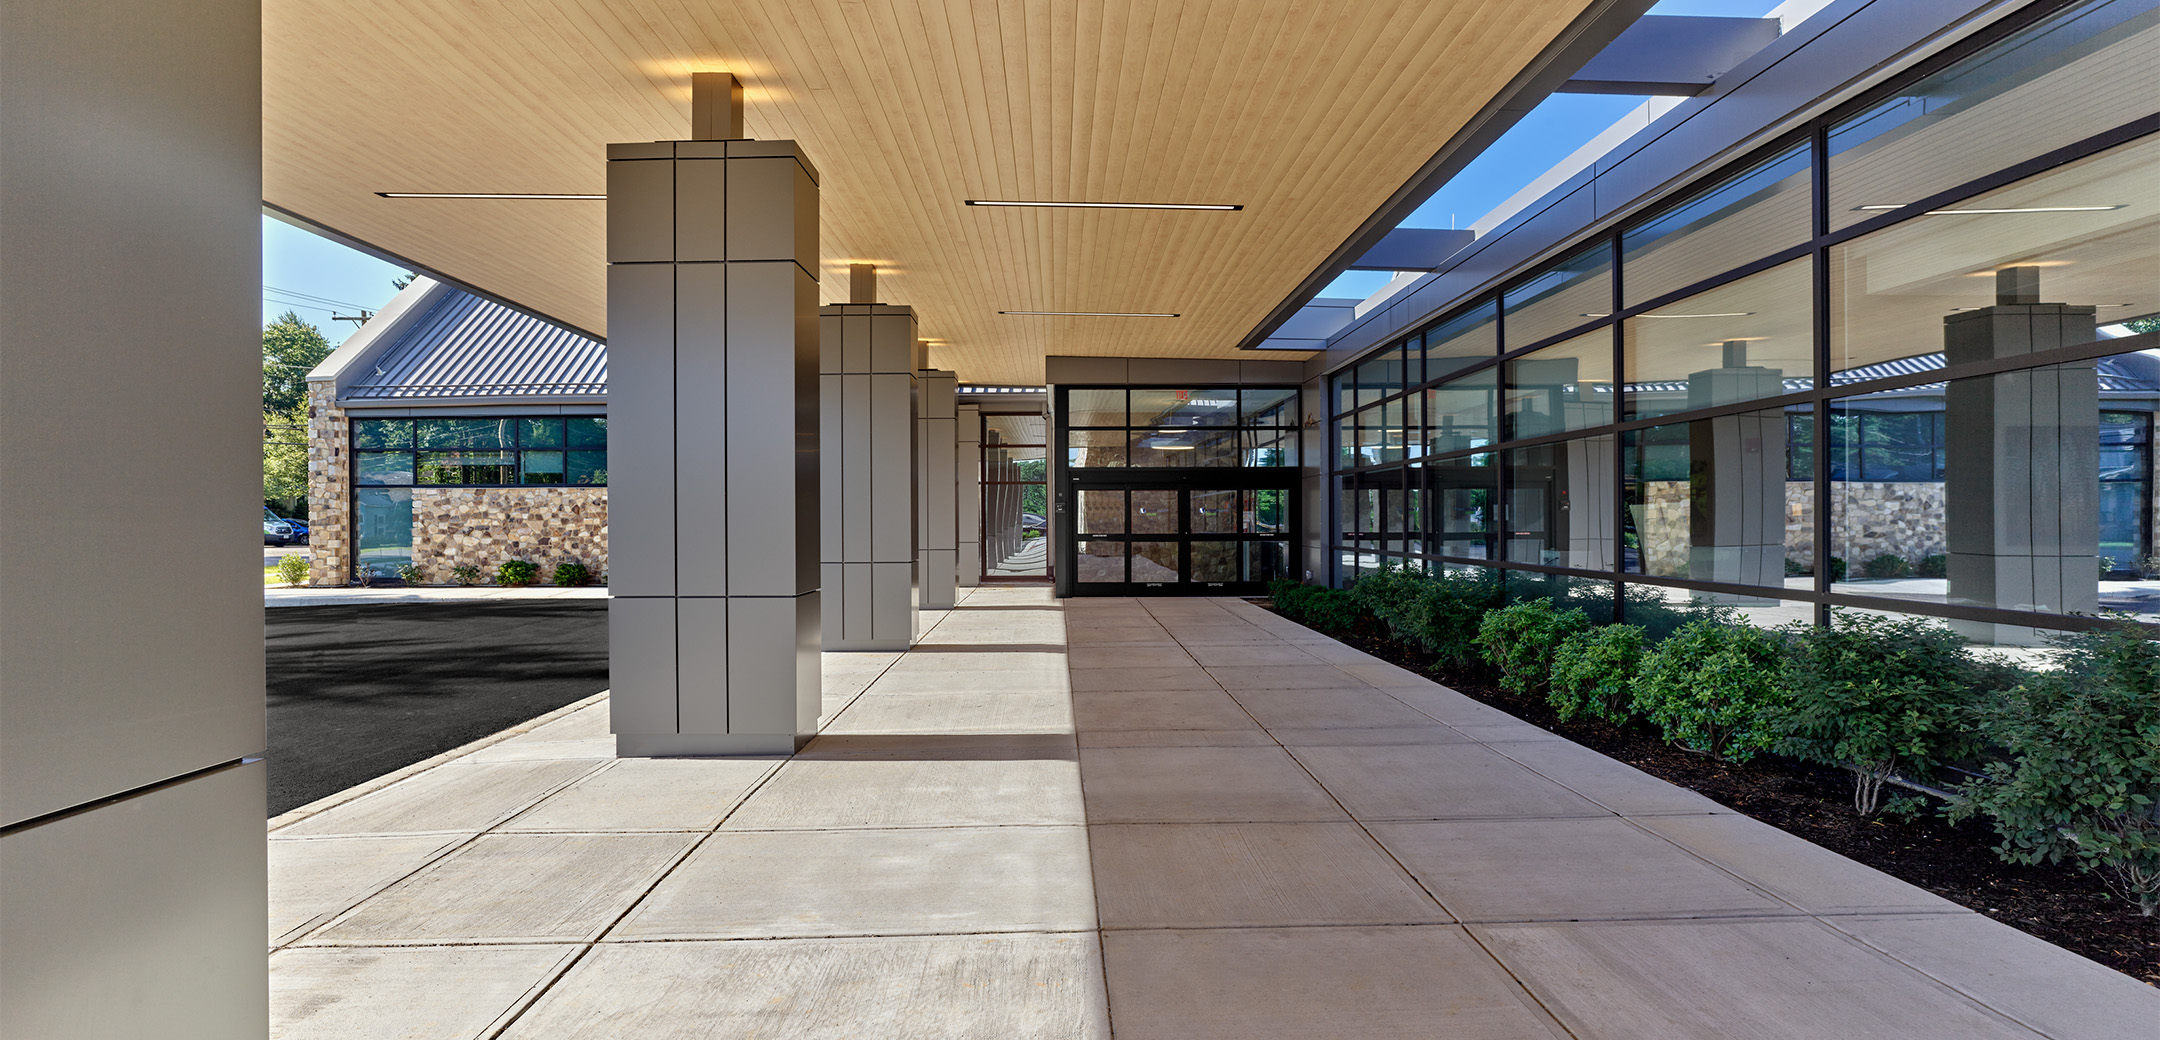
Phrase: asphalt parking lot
(359, 691)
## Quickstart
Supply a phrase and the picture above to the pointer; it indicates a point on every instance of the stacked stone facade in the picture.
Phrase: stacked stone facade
(484, 526)
(1870, 518)
(329, 442)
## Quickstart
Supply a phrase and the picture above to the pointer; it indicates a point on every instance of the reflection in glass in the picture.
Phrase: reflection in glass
(1567, 386)
(1267, 447)
(446, 434)
(1560, 504)
(588, 432)
(1214, 561)
(1100, 562)
(1461, 516)
(1746, 216)
(1270, 511)
(383, 536)
(2011, 523)
(1095, 407)
(466, 467)
(2059, 81)
(1707, 500)
(1154, 512)
(1381, 374)
(1100, 512)
(1216, 406)
(1154, 562)
(540, 433)
(1266, 561)
(1463, 340)
(1016, 429)
(1095, 448)
(588, 468)
(540, 467)
(384, 468)
(1902, 296)
(1213, 512)
(1187, 448)
(1561, 297)
(1463, 413)
(1268, 406)
(1743, 341)
(381, 433)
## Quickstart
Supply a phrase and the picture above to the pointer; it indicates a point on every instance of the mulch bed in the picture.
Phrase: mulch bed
(2053, 902)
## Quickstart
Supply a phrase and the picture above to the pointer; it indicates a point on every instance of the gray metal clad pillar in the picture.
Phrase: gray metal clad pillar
(2021, 514)
(866, 377)
(713, 487)
(968, 459)
(937, 444)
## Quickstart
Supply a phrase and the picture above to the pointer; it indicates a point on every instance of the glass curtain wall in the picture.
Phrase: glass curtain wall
(1183, 489)
(1015, 498)
(1907, 359)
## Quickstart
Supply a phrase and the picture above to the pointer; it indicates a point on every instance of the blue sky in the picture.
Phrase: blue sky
(313, 276)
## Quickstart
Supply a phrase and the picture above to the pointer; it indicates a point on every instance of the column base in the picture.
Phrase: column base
(706, 745)
(883, 646)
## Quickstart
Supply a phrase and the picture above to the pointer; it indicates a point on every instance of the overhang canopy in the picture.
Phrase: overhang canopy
(1309, 115)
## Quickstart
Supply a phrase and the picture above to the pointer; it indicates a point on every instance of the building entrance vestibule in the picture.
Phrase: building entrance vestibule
(1175, 491)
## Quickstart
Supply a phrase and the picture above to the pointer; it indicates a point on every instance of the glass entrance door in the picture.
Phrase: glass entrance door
(1179, 540)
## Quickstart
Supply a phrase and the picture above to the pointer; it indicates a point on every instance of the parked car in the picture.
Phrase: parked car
(300, 530)
(1032, 522)
(276, 529)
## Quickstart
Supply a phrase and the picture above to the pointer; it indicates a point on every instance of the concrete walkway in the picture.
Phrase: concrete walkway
(1169, 818)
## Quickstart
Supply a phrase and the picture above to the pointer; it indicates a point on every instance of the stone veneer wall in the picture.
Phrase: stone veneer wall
(329, 440)
(1870, 517)
(484, 526)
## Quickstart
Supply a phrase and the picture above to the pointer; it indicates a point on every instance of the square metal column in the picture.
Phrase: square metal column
(867, 368)
(936, 468)
(713, 485)
(968, 458)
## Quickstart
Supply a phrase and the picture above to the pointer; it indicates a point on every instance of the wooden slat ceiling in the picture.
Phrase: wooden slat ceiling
(1306, 112)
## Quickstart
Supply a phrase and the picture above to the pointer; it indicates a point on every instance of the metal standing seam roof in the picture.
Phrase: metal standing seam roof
(467, 347)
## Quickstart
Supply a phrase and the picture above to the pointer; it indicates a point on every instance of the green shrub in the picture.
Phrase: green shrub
(571, 574)
(1877, 696)
(1520, 638)
(365, 575)
(292, 568)
(2082, 776)
(1933, 565)
(409, 573)
(1438, 614)
(1837, 568)
(1593, 673)
(1795, 568)
(517, 572)
(1314, 606)
(1714, 686)
(465, 574)
(1886, 565)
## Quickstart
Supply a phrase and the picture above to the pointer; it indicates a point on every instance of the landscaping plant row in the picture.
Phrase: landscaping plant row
(2064, 761)
(294, 570)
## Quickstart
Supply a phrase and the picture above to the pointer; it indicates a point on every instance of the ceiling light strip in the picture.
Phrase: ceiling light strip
(1096, 314)
(489, 195)
(1989, 212)
(1046, 204)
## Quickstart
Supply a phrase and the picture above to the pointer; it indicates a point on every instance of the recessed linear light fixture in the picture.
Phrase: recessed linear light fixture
(1044, 204)
(1096, 314)
(1720, 314)
(489, 195)
(1986, 212)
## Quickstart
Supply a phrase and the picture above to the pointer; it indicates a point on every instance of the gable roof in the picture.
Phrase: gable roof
(437, 344)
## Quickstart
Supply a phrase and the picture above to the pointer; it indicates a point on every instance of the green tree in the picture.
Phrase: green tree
(291, 348)
(285, 473)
